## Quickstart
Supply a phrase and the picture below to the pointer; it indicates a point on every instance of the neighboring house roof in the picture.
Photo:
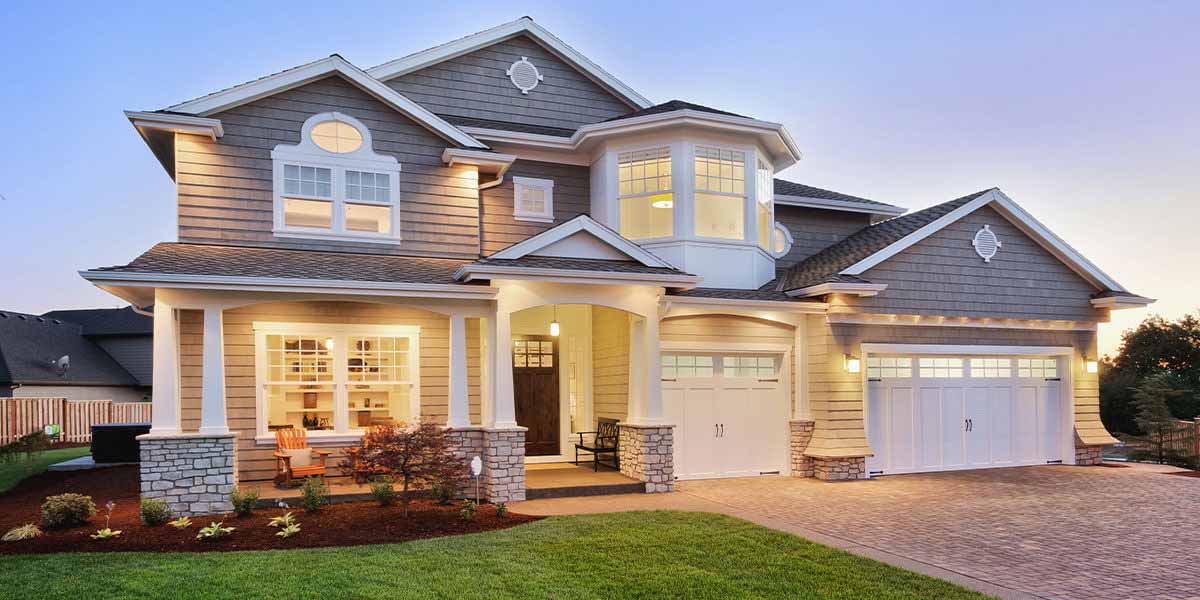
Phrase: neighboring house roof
(797, 194)
(826, 265)
(106, 321)
(674, 105)
(29, 344)
(487, 37)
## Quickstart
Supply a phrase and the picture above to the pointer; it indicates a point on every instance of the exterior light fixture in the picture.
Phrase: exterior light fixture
(853, 363)
(1091, 366)
(554, 324)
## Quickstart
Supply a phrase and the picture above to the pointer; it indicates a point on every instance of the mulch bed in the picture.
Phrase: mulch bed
(348, 524)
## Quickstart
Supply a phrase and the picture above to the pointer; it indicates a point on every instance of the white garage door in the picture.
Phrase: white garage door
(730, 413)
(941, 413)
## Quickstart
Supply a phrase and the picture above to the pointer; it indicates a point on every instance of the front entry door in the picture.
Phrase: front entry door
(535, 392)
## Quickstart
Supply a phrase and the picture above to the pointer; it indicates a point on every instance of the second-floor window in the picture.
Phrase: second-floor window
(332, 185)
(645, 200)
(720, 193)
(764, 194)
(533, 199)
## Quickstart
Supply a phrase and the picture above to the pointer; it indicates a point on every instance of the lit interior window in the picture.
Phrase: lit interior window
(369, 218)
(720, 216)
(313, 214)
(336, 136)
(645, 201)
(720, 193)
(765, 206)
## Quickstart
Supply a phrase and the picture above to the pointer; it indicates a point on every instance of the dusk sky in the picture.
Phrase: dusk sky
(1087, 114)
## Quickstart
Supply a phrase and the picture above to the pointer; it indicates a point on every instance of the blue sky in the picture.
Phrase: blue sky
(1083, 112)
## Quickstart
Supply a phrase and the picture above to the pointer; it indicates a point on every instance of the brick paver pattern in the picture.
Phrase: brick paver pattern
(1053, 531)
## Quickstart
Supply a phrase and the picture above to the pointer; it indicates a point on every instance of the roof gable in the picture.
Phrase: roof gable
(523, 26)
(334, 65)
(581, 237)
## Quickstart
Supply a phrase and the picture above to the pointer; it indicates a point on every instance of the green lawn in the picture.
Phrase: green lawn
(13, 472)
(625, 555)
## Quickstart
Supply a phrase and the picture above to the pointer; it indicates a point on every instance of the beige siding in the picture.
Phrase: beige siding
(225, 186)
(255, 462)
(836, 397)
(942, 275)
(571, 198)
(475, 86)
(610, 362)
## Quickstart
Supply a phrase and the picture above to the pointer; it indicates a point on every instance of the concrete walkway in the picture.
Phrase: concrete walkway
(1039, 532)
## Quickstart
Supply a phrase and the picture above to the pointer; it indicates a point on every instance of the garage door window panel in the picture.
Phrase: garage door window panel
(941, 368)
(889, 367)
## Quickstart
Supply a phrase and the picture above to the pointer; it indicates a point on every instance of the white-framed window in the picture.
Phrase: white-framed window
(781, 240)
(720, 196)
(764, 196)
(332, 184)
(533, 199)
(644, 197)
(941, 368)
(335, 380)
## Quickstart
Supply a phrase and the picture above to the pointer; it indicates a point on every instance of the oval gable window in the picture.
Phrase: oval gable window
(336, 136)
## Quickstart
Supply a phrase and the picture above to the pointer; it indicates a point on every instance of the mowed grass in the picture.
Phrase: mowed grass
(625, 555)
(11, 473)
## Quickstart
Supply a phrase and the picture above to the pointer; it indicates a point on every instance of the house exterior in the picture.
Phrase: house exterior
(499, 235)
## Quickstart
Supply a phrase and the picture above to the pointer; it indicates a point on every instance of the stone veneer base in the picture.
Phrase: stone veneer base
(801, 434)
(502, 451)
(648, 454)
(1088, 455)
(839, 469)
(194, 473)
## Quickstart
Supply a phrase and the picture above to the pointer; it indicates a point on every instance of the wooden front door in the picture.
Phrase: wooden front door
(535, 391)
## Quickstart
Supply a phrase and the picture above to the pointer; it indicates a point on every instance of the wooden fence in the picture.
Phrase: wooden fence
(20, 416)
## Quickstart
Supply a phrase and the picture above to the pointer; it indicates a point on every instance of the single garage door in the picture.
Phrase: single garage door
(939, 413)
(730, 413)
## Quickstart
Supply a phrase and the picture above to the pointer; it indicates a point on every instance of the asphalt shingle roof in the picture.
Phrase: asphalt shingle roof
(106, 321)
(824, 266)
(238, 261)
(791, 188)
(506, 126)
(671, 106)
(579, 264)
(29, 344)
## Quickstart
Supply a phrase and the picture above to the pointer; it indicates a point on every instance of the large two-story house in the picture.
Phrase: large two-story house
(499, 235)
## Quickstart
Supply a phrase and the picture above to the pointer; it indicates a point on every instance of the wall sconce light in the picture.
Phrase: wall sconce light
(853, 364)
(554, 324)
(1091, 366)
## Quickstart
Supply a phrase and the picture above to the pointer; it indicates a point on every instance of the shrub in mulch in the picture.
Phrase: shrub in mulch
(345, 524)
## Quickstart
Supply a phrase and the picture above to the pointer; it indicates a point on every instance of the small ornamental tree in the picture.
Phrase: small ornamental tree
(414, 455)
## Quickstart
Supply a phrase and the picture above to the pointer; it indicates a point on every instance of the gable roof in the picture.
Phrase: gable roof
(584, 224)
(29, 343)
(487, 37)
(846, 261)
(790, 193)
(333, 65)
(106, 321)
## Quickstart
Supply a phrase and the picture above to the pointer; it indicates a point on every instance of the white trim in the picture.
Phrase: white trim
(1119, 302)
(964, 349)
(486, 272)
(730, 347)
(175, 123)
(789, 241)
(787, 305)
(944, 321)
(1023, 220)
(488, 162)
(547, 187)
(524, 25)
(283, 284)
(298, 76)
(843, 205)
(537, 75)
(857, 289)
(576, 225)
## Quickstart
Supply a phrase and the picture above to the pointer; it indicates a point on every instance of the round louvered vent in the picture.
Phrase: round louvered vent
(986, 243)
(524, 75)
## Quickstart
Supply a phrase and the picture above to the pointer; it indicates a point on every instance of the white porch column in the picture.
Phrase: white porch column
(645, 372)
(504, 412)
(802, 411)
(164, 419)
(459, 411)
(487, 365)
(212, 391)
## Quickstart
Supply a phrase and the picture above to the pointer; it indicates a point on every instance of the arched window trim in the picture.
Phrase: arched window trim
(787, 237)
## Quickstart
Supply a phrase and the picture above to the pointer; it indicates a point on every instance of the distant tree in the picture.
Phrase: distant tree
(1155, 347)
(412, 455)
(1154, 416)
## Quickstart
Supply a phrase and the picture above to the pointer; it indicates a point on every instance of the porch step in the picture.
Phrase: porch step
(601, 489)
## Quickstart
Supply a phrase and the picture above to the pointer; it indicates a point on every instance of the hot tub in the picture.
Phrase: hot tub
(117, 442)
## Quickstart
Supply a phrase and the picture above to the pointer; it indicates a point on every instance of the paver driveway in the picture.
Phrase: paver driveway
(1053, 531)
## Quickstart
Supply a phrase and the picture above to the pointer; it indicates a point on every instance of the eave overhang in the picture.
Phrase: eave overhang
(484, 272)
(862, 290)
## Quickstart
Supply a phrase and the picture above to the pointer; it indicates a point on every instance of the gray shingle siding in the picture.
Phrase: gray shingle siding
(814, 230)
(572, 197)
(474, 85)
(942, 275)
(225, 187)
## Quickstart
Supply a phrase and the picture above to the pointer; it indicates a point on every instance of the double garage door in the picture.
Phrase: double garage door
(940, 413)
(730, 413)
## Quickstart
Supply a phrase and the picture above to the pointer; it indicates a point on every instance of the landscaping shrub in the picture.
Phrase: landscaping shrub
(468, 510)
(24, 532)
(441, 493)
(213, 532)
(155, 511)
(501, 509)
(26, 445)
(181, 523)
(383, 491)
(243, 501)
(415, 455)
(314, 493)
(67, 510)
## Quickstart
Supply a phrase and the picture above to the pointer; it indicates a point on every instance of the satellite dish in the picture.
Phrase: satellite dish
(61, 365)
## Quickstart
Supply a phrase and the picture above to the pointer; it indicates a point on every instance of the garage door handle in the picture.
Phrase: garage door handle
(716, 430)
(722, 430)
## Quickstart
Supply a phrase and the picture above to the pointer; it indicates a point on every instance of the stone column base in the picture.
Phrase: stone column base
(839, 469)
(1088, 455)
(648, 454)
(503, 464)
(801, 434)
(193, 472)
(466, 443)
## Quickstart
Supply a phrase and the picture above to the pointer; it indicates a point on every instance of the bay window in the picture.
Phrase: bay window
(720, 196)
(764, 195)
(645, 200)
(335, 379)
(333, 185)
